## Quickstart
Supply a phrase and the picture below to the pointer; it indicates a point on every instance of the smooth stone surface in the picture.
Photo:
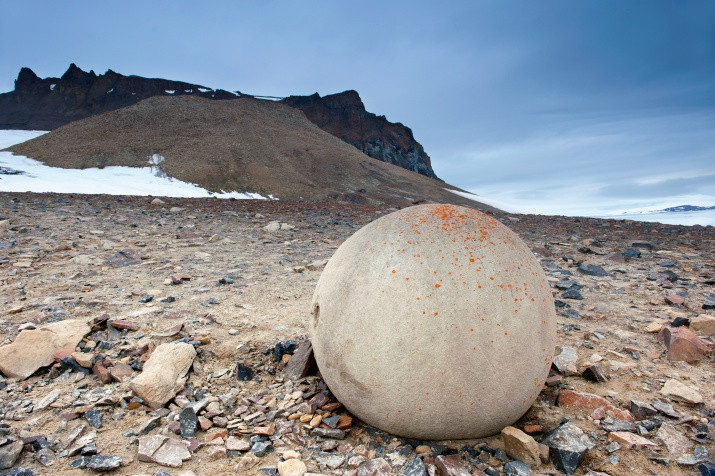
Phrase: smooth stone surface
(164, 373)
(679, 391)
(34, 348)
(414, 314)
(520, 446)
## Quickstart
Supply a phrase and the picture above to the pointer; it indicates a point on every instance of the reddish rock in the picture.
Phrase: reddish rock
(674, 299)
(344, 422)
(571, 399)
(682, 344)
(62, 353)
(451, 465)
(533, 429)
(123, 324)
(121, 372)
(630, 440)
(205, 423)
(102, 372)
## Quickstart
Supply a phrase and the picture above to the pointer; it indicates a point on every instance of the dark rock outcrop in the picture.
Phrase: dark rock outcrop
(46, 104)
(344, 116)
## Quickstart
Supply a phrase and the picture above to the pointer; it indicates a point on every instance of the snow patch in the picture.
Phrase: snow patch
(110, 91)
(30, 175)
(53, 86)
(168, 91)
(205, 90)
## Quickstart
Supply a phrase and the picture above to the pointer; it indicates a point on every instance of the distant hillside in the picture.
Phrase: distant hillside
(46, 104)
(687, 208)
(244, 145)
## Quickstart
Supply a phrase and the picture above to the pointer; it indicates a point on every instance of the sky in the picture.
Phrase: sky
(556, 106)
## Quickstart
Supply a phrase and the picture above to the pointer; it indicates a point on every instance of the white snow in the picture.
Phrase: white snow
(205, 90)
(53, 86)
(168, 91)
(150, 180)
(110, 91)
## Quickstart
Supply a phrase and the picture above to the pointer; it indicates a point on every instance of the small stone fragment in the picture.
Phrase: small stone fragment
(292, 467)
(676, 443)
(243, 373)
(519, 445)
(642, 410)
(517, 468)
(187, 422)
(94, 418)
(328, 433)
(592, 270)
(9, 453)
(261, 448)
(104, 463)
(416, 467)
(594, 373)
(703, 325)
(630, 440)
(301, 364)
(571, 399)
(568, 446)
(237, 444)
(451, 465)
(162, 450)
(566, 358)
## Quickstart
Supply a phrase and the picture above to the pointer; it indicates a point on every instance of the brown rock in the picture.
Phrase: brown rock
(85, 359)
(345, 422)
(205, 423)
(676, 443)
(102, 372)
(34, 348)
(451, 465)
(123, 324)
(571, 399)
(62, 353)
(674, 299)
(164, 373)
(521, 446)
(533, 429)
(682, 344)
(630, 440)
(237, 444)
(642, 410)
(703, 325)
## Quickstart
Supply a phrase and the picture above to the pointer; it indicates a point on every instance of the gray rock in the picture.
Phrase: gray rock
(162, 450)
(375, 467)
(642, 410)
(302, 363)
(188, 422)
(567, 356)
(9, 454)
(261, 448)
(94, 418)
(568, 446)
(329, 460)
(592, 270)
(451, 465)
(517, 468)
(328, 433)
(415, 468)
(104, 463)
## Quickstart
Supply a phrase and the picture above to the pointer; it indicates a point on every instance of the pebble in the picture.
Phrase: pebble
(520, 446)
(104, 463)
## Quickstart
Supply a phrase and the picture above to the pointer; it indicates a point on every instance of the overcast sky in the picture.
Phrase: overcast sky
(550, 106)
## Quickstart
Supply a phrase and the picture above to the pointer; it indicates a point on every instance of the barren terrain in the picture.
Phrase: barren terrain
(239, 289)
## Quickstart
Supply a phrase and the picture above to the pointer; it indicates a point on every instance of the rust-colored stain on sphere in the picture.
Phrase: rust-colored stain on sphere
(434, 322)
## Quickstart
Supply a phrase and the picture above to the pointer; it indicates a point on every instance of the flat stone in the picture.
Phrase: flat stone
(34, 348)
(664, 408)
(642, 410)
(261, 448)
(679, 391)
(162, 450)
(676, 443)
(703, 325)
(655, 326)
(85, 359)
(683, 344)
(630, 440)
(164, 373)
(46, 401)
(94, 418)
(568, 446)
(121, 371)
(572, 399)
(674, 299)
(451, 465)
(9, 453)
(519, 445)
(104, 463)
(328, 433)
(292, 467)
(237, 444)
(592, 270)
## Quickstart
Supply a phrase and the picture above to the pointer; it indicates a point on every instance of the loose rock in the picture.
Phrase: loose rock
(164, 373)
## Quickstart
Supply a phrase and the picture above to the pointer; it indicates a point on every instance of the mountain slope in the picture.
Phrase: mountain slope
(244, 145)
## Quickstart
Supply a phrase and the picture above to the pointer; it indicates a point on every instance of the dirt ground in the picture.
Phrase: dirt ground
(61, 258)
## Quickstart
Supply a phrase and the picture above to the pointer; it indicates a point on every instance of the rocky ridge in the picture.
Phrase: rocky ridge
(48, 103)
(230, 282)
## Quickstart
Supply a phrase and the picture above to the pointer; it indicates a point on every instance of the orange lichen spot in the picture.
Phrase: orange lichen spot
(437, 285)
(399, 411)
(424, 312)
(471, 329)
(471, 260)
(407, 279)
(483, 319)
(506, 333)
(479, 286)
(515, 311)
(491, 278)
(532, 300)
(419, 409)
(474, 348)
(394, 271)
(436, 313)
(516, 299)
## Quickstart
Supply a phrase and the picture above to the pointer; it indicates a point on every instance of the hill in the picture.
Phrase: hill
(246, 145)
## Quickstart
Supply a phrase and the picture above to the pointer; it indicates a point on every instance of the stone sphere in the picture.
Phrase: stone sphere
(434, 322)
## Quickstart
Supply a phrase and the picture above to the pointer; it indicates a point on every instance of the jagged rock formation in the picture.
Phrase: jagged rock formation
(344, 116)
(46, 104)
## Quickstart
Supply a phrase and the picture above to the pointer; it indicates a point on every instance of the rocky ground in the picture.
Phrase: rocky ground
(133, 293)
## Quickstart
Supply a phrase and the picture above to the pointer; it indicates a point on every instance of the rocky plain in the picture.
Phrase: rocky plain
(165, 336)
